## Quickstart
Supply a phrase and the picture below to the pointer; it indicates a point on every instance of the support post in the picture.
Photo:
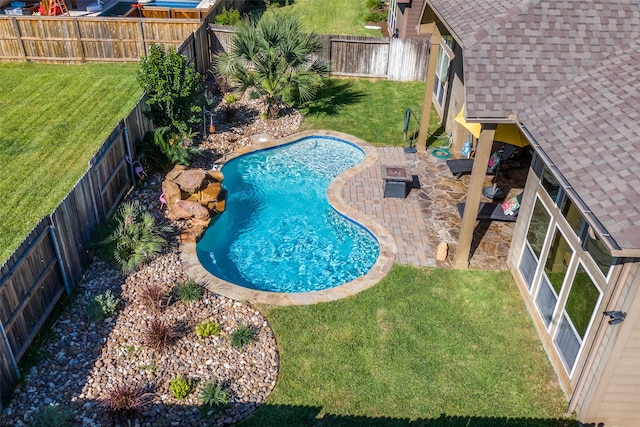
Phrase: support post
(12, 357)
(434, 50)
(470, 215)
(56, 250)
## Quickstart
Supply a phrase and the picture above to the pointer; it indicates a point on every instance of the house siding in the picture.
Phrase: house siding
(612, 396)
(605, 385)
(455, 101)
(413, 20)
(408, 18)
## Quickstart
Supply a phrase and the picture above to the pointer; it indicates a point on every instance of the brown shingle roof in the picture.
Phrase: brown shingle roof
(569, 69)
(590, 130)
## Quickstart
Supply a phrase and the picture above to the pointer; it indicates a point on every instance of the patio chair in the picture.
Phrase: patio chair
(459, 167)
(493, 211)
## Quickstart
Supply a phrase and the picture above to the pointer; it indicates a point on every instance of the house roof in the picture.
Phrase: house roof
(569, 70)
(590, 130)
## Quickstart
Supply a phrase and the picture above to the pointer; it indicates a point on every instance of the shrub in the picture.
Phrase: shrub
(228, 17)
(180, 387)
(214, 395)
(375, 17)
(159, 335)
(133, 237)
(231, 98)
(373, 4)
(153, 297)
(189, 291)
(254, 94)
(52, 415)
(173, 88)
(126, 400)
(242, 336)
(207, 328)
(176, 148)
(102, 306)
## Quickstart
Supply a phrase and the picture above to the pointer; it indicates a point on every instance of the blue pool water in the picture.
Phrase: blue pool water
(279, 233)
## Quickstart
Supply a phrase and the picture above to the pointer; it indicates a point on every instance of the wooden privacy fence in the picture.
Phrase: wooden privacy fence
(58, 39)
(52, 258)
(380, 57)
(65, 39)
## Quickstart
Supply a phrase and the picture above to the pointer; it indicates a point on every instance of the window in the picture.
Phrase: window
(573, 216)
(576, 317)
(442, 69)
(528, 264)
(558, 260)
(555, 269)
(392, 18)
(538, 227)
(550, 183)
(599, 252)
(546, 301)
(582, 300)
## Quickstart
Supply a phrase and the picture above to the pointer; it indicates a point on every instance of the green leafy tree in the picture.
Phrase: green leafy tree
(173, 87)
(276, 58)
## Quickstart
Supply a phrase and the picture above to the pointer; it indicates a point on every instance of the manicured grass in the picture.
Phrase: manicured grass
(442, 347)
(372, 110)
(53, 118)
(337, 17)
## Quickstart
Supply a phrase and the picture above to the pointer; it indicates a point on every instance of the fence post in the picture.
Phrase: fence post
(143, 50)
(12, 358)
(128, 148)
(76, 27)
(16, 27)
(56, 249)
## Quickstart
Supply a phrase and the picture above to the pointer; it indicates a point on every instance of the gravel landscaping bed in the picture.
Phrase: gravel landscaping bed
(85, 359)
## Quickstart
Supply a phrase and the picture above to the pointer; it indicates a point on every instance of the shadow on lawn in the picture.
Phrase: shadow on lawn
(285, 415)
(330, 99)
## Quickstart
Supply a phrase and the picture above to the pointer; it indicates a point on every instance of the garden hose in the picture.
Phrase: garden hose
(441, 153)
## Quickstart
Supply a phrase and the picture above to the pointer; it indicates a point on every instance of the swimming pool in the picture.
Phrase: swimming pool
(279, 233)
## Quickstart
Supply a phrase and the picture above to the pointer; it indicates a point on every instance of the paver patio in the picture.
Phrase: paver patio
(428, 215)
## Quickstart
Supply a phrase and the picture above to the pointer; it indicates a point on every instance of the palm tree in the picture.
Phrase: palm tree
(274, 57)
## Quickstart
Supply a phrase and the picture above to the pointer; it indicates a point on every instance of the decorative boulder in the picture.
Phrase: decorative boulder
(186, 209)
(193, 195)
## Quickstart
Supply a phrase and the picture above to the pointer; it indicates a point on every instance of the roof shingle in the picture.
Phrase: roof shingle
(570, 70)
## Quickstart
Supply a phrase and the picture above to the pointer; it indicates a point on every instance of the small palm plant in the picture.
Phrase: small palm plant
(133, 237)
(276, 58)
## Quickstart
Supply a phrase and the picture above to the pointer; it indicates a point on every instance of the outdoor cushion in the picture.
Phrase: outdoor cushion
(493, 211)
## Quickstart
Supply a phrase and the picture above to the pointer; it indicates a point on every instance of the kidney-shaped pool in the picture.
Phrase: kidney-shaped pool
(279, 233)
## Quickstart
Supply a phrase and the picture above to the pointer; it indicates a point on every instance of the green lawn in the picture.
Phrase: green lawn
(52, 120)
(434, 346)
(343, 17)
(372, 110)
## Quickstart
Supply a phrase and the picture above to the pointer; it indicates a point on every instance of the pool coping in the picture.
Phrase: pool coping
(378, 271)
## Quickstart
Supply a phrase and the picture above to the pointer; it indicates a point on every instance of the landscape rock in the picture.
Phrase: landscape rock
(190, 180)
(186, 209)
